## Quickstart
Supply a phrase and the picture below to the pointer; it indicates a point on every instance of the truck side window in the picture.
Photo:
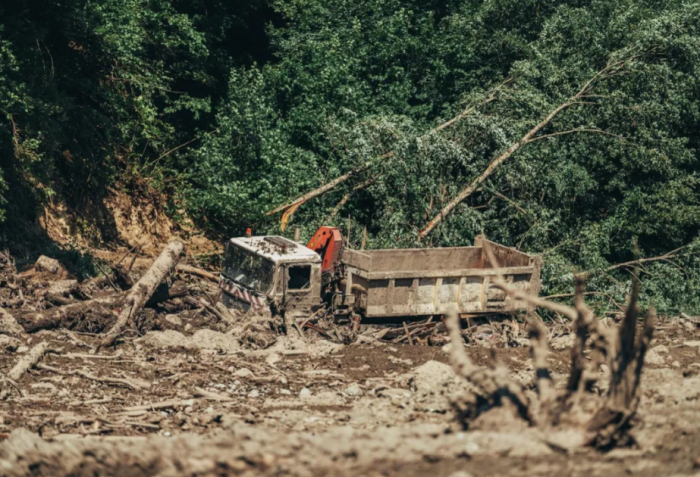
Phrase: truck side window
(299, 277)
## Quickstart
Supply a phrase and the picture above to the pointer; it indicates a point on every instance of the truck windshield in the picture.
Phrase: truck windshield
(248, 269)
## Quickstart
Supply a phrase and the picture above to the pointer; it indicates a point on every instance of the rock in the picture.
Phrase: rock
(173, 320)
(431, 376)
(202, 340)
(210, 339)
(243, 373)
(676, 364)
(354, 390)
(47, 264)
(660, 349)
(254, 394)
(305, 393)
(692, 344)
(653, 356)
(562, 342)
(460, 473)
(62, 287)
(22, 349)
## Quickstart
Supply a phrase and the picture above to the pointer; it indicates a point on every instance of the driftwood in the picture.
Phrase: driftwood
(531, 136)
(144, 288)
(602, 422)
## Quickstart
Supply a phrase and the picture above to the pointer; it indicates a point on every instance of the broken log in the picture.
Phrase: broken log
(28, 361)
(62, 316)
(144, 288)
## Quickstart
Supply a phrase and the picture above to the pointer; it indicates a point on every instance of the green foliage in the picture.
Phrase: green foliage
(355, 80)
(238, 107)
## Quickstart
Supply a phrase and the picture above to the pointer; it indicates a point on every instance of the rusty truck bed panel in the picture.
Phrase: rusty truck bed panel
(419, 282)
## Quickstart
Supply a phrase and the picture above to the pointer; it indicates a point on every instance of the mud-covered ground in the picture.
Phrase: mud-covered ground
(187, 399)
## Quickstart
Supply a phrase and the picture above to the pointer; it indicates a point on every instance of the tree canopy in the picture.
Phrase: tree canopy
(587, 112)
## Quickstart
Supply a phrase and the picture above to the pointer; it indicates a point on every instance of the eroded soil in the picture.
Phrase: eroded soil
(186, 399)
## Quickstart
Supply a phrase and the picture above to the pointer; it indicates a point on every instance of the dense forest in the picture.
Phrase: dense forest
(565, 128)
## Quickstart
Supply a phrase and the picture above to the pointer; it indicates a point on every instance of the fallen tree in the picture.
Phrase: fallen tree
(610, 69)
(144, 288)
(291, 207)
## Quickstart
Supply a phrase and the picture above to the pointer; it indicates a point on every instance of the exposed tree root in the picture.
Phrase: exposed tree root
(605, 420)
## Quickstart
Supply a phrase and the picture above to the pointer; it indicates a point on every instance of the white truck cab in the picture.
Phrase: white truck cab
(271, 273)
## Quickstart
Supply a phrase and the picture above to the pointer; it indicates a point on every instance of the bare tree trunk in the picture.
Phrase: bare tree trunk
(144, 288)
(321, 190)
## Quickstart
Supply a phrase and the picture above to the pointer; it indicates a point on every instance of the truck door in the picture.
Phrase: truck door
(302, 282)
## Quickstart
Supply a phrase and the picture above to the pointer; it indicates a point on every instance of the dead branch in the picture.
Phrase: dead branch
(634, 263)
(292, 206)
(124, 382)
(492, 96)
(212, 396)
(144, 288)
(579, 130)
(59, 316)
(540, 352)
(135, 385)
(181, 267)
(620, 348)
(527, 138)
(28, 361)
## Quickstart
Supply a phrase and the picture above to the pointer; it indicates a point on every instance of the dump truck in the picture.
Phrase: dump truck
(287, 278)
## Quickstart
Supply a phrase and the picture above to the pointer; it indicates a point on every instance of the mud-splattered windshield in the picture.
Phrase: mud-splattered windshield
(248, 269)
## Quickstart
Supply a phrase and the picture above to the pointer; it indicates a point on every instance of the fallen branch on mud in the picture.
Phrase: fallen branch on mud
(144, 288)
(124, 382)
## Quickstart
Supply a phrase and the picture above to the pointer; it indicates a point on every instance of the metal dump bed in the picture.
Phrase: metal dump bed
(418, 282)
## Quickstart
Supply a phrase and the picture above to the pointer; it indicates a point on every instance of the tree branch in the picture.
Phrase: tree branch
(609, 69)
(571, 131)
(347, 196)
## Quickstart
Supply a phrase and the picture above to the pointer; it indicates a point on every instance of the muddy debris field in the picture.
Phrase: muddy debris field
(142, 373)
